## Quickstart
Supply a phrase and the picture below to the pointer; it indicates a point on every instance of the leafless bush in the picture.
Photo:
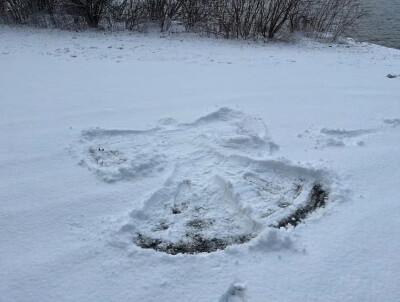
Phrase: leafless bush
(172, 8)
(130, 12)
(236, 18)
(46, 6)
(155, 9)
(244, 14)
(16, 10)
(195, 12)
(43, 13)
(163, 11)
(276, 14)
(229, 18)
(91, 10)
(333, 17)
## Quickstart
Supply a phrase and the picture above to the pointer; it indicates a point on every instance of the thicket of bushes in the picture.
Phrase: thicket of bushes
(229, 18)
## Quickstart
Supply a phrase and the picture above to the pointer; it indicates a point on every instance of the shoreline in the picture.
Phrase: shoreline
(154, 33)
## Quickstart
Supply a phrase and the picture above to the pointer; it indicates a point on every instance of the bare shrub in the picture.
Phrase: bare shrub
(16, 10)
(163, 11)
(155, 9)
(229, 18)
(236, 18)
(130, 12)
(244, 13)
(43, 13)
(275, 14)
(333, 17)
(195, 12)
(221, 20)
(171, 11)
(91, 10)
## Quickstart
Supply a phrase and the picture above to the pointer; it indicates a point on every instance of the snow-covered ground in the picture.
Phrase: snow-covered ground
(126, 158)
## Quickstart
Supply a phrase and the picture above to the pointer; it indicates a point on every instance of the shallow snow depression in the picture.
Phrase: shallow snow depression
(220, 187)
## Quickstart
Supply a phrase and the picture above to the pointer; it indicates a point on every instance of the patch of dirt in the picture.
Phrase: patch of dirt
(192, 244)
(317, 199)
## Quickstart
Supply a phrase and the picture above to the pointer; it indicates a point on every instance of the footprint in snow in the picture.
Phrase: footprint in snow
(392, 122)
(235, 293)
(327, 137)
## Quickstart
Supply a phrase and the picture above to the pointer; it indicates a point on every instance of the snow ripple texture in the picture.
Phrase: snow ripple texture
(221, 186)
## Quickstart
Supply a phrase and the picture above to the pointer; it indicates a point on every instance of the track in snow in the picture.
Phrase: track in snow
(327, 137)
(220, 186)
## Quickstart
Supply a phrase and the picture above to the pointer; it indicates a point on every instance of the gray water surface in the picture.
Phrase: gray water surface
(382, 26)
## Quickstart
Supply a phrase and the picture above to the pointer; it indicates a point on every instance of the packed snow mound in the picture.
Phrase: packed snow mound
(221, 186)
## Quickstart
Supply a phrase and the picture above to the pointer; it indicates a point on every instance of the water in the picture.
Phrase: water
(382, 26)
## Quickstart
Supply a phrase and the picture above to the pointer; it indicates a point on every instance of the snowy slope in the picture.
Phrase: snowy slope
(124, 155)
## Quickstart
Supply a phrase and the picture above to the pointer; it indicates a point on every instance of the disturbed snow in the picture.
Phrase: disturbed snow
(216, 192)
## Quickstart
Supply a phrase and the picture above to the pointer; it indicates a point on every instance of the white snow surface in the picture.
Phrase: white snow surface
(106, 136)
